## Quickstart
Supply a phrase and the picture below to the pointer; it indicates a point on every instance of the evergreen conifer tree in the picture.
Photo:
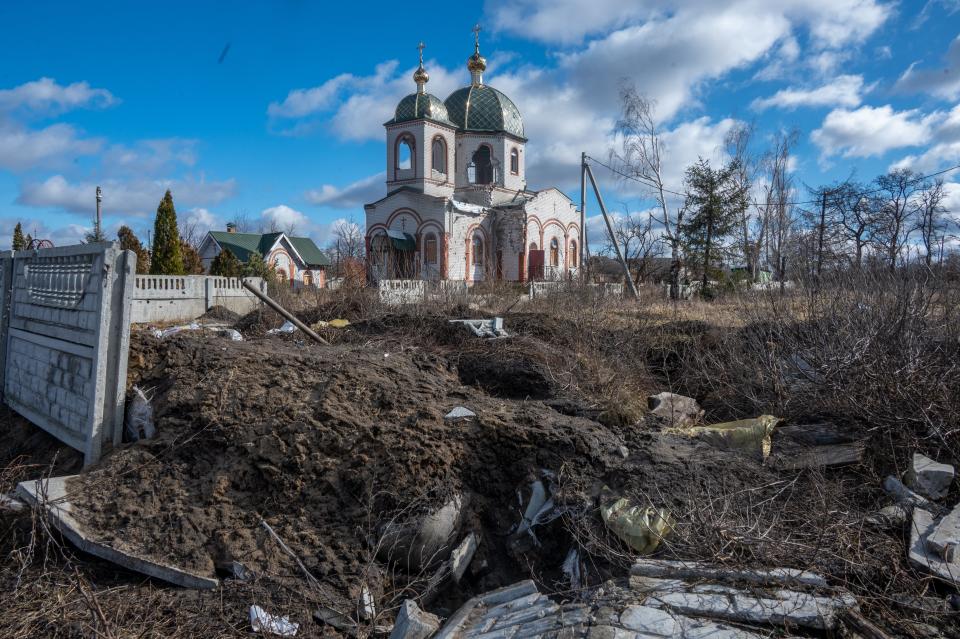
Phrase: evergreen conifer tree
(19, 242)
(226, 264)
(715, 200)
(166, 257)
(130, 242)
(192, 262)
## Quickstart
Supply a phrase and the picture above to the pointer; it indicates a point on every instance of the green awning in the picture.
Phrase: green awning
(402, 241)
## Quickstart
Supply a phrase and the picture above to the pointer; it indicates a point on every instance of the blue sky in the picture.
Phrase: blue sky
(286, 127)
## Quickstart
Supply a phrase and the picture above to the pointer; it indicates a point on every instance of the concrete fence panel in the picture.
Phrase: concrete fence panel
(66, 337)
(397, 292)
(181, 298)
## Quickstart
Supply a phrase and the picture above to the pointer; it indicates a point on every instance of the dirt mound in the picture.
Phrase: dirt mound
(328, 444)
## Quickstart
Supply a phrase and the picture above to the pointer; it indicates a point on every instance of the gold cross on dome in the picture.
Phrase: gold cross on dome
(476, 35)
(420, 47)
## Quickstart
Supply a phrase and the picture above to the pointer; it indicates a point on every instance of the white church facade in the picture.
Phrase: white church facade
(457, 204)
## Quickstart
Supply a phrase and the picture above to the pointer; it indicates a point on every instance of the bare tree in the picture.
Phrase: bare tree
(751, 228)
(931, 222)
(242, 222)
(893, 212)
(638, 241)
(346, 243)
(641, 157)
(778, 212)
(854, 217)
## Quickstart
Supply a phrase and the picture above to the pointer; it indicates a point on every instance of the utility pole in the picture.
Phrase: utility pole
(613, 238)
(98, 231)
(821, 231)
(583, 215)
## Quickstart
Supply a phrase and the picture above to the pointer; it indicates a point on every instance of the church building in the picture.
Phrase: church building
(457, 204)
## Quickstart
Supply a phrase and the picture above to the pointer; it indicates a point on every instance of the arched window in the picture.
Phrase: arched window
(554, 252)
(482, 166)
(438, 154)
(514, 161)
(573, 254)
(476, 256)
(430, 249)
(404, 152)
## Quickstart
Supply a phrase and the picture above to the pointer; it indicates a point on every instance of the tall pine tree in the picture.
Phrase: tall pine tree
(715, 199)
(130, 242)
(19, 242)
(166, 258)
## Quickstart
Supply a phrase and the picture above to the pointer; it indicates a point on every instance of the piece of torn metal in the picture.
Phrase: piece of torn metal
(51, 494)
(488, 328)
(262, 621)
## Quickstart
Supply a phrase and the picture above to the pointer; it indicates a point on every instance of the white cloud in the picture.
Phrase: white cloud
(870, 131)
(149, 156)
(138, 197)
(942, 83)
(355, 107)
(355, 195)
(945, 150)
(284, 218)
(57, 144)
(832, 23)
(45, 96)
(843, 91)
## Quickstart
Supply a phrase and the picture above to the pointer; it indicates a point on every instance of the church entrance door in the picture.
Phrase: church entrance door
(536, 265)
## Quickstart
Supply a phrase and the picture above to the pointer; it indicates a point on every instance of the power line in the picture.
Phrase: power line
(651, 182)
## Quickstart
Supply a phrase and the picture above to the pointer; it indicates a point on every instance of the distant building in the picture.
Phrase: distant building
(457, 204)
(296, 259)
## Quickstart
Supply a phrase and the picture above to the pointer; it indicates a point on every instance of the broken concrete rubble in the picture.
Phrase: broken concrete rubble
(664, 568)
(779, 607)
(51, 494)
(920, 554)
(944, 539)
(929, 478)
(489, 328)
(462, 555)
(413, 623)
(679, 411)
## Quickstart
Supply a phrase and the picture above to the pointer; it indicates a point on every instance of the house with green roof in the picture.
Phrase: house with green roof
(296, 259)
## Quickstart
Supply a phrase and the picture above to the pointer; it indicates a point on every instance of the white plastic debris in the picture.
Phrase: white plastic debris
(540, 509)
(139, 422)
(173, 330)
(571, 568)
(368, 609)
(484, 327)
(232, 333)
(460, 413)
(287, 327)
(263, 621)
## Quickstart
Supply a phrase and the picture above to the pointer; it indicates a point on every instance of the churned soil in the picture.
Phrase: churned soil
(328, 444)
